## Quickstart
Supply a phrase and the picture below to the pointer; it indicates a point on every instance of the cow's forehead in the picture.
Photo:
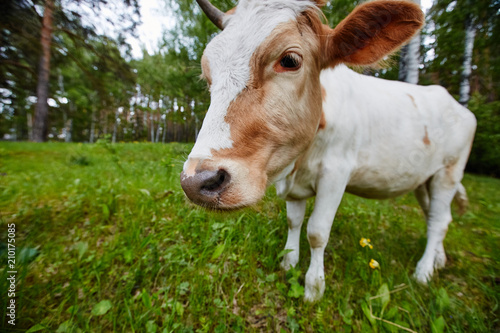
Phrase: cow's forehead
(228, 56)
(229, 53)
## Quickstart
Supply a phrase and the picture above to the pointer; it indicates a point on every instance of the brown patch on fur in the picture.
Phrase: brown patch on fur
(414, 103)
(371, 31)
(205, 70)
(231, 198)
(322, 121)
(231, 11)
(315, 240)
(450, 168)
(321, 3)
(297, 164)
(426, 138)
(192, 167)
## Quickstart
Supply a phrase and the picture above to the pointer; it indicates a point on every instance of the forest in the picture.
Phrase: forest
(96, 90)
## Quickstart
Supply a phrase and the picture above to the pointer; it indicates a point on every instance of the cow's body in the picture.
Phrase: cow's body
(381, 139)
(391, 137)
(284, 110)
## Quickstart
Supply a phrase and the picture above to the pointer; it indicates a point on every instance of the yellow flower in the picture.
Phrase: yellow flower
(365, 242)
(374, 264)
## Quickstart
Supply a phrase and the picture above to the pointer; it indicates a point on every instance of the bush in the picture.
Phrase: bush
(485, 154)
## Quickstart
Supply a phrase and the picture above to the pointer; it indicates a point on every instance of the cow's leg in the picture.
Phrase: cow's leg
(328, 197)
(461, 199)
(295, 211)
(442, 189)
(422, 195)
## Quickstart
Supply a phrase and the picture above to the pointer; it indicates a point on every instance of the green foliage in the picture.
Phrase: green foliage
(438, 325)
(485, 154)
(296, 289)
(87, 69)
(115, 246)
(336, 11)
(446, 26)
(101, 308)
(79, 160)
(385, 297)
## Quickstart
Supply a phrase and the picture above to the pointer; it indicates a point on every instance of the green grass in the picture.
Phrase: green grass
(106, 241)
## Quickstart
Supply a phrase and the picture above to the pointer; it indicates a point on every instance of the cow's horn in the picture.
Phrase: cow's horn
(213, 13)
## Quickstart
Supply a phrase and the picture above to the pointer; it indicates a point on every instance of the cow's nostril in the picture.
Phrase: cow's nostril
(205, 187)
(217, 182)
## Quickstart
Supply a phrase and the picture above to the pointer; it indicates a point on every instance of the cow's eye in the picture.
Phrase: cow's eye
(289, 62)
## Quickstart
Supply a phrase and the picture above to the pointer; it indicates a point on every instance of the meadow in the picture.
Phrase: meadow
(107, 242)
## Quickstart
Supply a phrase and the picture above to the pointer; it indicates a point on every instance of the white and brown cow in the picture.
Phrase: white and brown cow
(286, 110)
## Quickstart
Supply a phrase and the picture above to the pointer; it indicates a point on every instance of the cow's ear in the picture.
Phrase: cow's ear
(320, 3)
(370, 32)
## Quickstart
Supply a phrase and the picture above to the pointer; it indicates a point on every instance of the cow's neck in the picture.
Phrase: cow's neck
(298, 180)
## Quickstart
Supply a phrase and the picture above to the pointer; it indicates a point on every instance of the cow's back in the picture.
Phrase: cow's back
(393, 135)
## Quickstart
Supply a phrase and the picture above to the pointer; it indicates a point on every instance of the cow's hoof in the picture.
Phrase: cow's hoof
(285, 265)
(289, 260)
(312, 295)
(423, 272)
(422, 278)
(440, 259)
(314, 289)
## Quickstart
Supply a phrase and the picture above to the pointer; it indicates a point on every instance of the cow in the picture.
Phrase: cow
(286, 110)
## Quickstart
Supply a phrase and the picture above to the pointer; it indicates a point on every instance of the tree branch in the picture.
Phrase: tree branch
(18, 64)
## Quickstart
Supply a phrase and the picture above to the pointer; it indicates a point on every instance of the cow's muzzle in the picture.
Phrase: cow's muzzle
(205, 187)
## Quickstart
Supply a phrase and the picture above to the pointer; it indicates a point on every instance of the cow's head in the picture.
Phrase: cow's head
(263, 71)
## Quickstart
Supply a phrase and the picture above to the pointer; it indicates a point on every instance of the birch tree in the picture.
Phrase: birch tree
(410, 59)
(470, 35)
(466, 48)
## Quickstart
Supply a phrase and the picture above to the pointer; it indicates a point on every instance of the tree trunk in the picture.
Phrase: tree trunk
(115, 126)
(470, 35)
(65, 127)
(195, 123)
(175, 124)
(158, 129)
(164, 133)
(69, 130)
(92, 126)
(103, 117)
(40, 129)
(410, 59)
(402, 64)
(29, 119)
(196, 130)
(138, 124)
(69, 125)
(152, 128)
